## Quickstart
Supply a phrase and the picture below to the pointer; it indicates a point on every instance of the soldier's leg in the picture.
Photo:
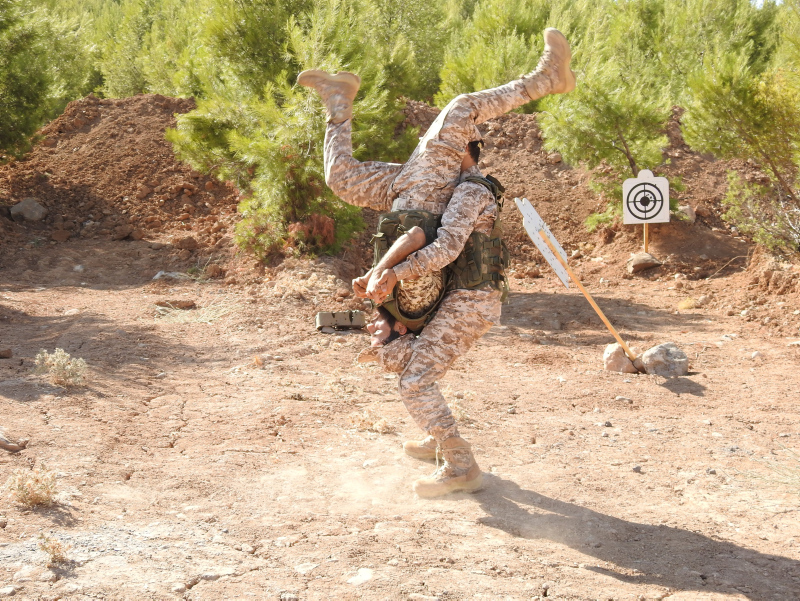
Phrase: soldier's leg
(462, 318)
(438, 155)
(362, 184)
(365, 184)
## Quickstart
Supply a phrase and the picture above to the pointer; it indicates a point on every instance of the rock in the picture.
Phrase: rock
(554, 158)
(289, 596)
(136, 235)
(249, 549)
(187, 243)
(3, 522)
(757, 355)
(363, 575)
(184, 254)
(6, 354)
(642, 261)
(209, 186)
(512, 410)
(615, 359)
(60, 235)
(178, 587)
(624, 399)
(26, 574)
(209, 576)
(214, 271)
(689, 211)
(421, 597)
(305, 568)
(665, 360)
(177, 304)
(28, 210)
(143, 192)
(637, 469)
(8, 591)
(48, 576)
(121, 232)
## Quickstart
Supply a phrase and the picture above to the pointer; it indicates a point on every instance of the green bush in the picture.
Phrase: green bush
(24, 78)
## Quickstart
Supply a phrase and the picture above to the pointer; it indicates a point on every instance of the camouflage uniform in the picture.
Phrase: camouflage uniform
(431, 181)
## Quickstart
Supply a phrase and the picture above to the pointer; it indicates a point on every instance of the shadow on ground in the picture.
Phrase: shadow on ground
(660, 555)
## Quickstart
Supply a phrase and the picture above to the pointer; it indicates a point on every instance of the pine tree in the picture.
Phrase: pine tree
(24, 79)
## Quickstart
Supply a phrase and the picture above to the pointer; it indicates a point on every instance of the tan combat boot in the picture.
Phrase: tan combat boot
(552, 75)
(458, 472)
(338, 91)
(421, 449)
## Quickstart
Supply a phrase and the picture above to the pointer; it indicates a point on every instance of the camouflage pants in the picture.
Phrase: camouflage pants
(462, 318)
(427, 180)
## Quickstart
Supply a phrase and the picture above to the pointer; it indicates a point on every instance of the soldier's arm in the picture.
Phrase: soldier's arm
(412, 240)
(458, 222)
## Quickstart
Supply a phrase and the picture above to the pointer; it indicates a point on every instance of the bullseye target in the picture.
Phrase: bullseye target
(645, 199)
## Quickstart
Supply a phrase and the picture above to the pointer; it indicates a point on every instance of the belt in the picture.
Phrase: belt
(408, 204)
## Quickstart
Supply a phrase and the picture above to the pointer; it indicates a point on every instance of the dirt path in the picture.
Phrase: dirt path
(186, 470)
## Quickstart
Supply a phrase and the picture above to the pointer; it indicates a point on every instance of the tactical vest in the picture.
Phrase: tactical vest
(480, 266)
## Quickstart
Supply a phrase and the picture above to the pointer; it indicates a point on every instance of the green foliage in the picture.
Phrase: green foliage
(24, 78)
(762, 212)
(269, 141)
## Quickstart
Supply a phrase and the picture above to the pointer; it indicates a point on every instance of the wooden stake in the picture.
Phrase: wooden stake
(646, 237)
(588, 296)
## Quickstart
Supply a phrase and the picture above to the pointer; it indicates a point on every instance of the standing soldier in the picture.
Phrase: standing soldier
(435, 179)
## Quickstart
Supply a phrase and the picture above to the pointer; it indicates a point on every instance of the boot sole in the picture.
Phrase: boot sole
(470, 486)
(312, 77)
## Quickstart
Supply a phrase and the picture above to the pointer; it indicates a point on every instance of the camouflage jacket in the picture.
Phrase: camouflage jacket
(471, 208)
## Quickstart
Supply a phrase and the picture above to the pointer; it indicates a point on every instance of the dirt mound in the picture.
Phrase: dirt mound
(104, 170)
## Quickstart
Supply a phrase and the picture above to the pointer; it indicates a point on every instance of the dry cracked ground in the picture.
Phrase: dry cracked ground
(186, 468)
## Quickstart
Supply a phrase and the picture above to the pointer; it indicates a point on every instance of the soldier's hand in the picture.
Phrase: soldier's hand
(379, 287)
(360, 285)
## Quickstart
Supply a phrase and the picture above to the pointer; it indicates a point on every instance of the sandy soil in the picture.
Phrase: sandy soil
(225, 451)
(184, 464)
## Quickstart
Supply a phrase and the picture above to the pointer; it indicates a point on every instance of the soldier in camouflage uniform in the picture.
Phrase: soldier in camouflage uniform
(433, 180)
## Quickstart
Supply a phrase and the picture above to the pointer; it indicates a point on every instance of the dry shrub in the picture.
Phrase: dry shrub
(317, 231)
(687, 303)
(55, 549)
(33, 487)
(61, 368)
(371, 422)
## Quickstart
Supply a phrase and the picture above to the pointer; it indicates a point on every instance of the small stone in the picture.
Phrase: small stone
(187, 243)
(711, 471)
(289, 596)
(637, 469)
(642, 261)
(604, 434)
(249, 549)
(214, 271)
(178, 587)
(665, 360)
(624, 399)
(184, 254)
(689, 211)
(369, 463)
(136, 235)
(363, 575)
(615, 359)
(121, 232)
(756, 355)
(28, 210)
(3, 521)
(177, 304)
(607, 424)
(6, 354)
(48, 576)
(209, 576)
(305, 568)
(60, 235)
(8, 591)
(512, 410)
(554, 158)
(143, 192)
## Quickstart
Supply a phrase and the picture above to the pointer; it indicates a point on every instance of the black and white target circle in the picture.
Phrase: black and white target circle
(644, 201)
